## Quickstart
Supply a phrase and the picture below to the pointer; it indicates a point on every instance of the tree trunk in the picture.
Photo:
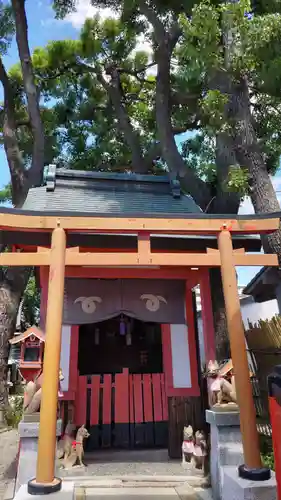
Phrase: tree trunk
(13, 281)
(12, 286)
(12, 150)
(131, 137)
(262, 193)
(219, 314)
(224, 203)
(32, 94)
(170, 153)
(165, 44)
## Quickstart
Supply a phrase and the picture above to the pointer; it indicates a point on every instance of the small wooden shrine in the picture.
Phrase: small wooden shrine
(226, 370)
(31, 342)
(118, 257)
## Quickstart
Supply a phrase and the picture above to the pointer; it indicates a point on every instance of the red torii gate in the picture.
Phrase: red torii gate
(58, 257)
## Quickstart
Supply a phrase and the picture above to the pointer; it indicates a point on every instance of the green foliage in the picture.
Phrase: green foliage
(238, 180)
(30, 312)
(200, 155)
(268, 460)
(5, 194)
(219, 38)
(7, 27)
(63, 7)
(13, 414)
(213, 106)
(80, 124)
(200, 48)
(267, 454)
(80, 120)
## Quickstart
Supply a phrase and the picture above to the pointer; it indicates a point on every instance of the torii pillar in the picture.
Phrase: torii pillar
(252, 468)
(45, 482)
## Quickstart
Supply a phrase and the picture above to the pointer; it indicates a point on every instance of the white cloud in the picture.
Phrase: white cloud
(84, 9)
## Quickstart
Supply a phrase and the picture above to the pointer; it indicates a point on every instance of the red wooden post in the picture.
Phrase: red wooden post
(95, 400)
(157, 398)
(95, 411)
(207, 316)
(131, 400)
(121, 405)
(193, 355)
(164, 397)
(147, 398)
(138, 399)
(106, 410)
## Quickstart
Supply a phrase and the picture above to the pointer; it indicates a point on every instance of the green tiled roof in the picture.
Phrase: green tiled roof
(96, 192)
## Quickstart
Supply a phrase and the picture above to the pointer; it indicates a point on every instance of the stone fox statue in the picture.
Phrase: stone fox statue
(33, 393)
(220, 390)
(187, 444)
(74, 450)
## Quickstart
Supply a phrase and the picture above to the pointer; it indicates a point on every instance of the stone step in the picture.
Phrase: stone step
(185, 492)
(136, 481)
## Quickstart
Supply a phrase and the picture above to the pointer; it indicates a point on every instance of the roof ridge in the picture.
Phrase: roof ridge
(52, 173)
(85, 174)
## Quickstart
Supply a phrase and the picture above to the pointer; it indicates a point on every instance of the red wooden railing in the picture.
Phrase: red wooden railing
(123, 410)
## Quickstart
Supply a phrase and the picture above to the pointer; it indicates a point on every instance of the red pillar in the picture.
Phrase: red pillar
(207, 316)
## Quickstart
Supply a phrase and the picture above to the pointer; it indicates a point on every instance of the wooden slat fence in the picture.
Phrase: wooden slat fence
(123, 410)
(264, 348)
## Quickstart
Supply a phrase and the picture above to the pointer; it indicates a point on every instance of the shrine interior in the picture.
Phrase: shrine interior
(121, 342)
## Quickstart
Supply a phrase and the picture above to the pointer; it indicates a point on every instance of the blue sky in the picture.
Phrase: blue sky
(43, 27)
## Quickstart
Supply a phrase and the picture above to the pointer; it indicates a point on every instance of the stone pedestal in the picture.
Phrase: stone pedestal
(226, 446)
(28, 433)
(235, 488)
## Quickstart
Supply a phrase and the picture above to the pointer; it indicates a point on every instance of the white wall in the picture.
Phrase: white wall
(254, 311)
(65, 356)
(180, 357)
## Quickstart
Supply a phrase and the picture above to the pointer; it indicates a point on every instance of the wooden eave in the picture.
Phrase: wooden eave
(33, 330)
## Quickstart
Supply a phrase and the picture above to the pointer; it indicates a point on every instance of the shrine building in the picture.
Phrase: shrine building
(118, 257)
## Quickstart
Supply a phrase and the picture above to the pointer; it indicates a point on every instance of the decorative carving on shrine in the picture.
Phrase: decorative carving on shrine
(88, 304)
(153, 302)
(93, 300)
